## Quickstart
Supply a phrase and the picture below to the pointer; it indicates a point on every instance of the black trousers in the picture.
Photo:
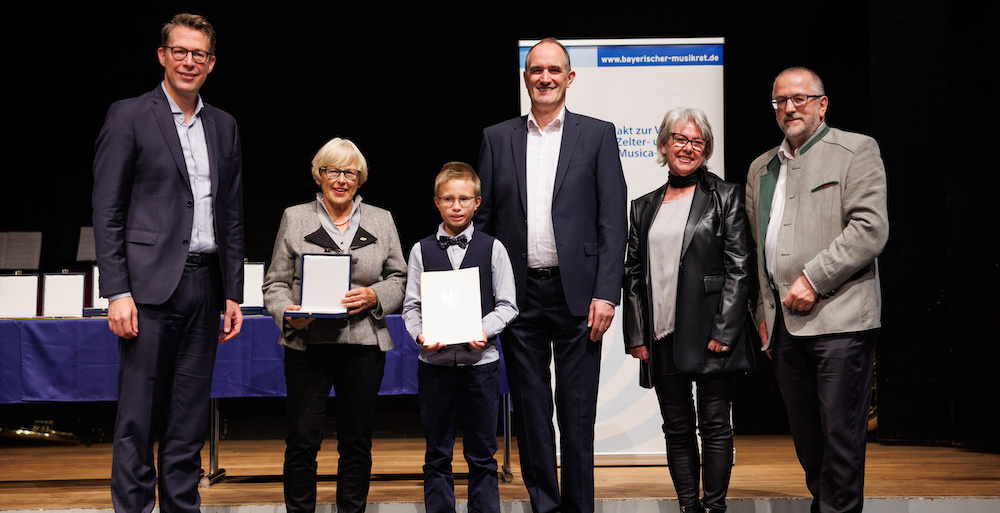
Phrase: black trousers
(471, 392)
(355, 373)
(714, 395)
(826, 382)
(543, 329)
(164, 382)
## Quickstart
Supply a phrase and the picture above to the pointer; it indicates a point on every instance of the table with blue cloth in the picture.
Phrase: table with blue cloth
(57, 360)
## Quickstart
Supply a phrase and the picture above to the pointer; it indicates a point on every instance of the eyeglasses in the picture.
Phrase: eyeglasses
(333, 173)
(680, 141)
(798, 100)
(179, 53)
(464, 201)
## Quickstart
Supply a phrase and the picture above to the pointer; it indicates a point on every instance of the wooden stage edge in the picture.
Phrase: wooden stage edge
(766, 478)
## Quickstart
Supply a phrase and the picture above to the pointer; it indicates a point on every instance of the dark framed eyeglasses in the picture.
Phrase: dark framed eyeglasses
(179, 53)
(797, 100)
(464, 201)
(333, 173)
(681, 141)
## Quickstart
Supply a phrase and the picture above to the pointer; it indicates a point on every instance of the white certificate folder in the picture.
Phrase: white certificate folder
(326, 278)
(450, 306)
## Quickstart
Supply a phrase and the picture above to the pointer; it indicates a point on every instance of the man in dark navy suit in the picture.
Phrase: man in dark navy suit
(554, 194)
(168, 227)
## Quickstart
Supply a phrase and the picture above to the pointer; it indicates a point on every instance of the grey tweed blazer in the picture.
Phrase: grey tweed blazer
(376, 260)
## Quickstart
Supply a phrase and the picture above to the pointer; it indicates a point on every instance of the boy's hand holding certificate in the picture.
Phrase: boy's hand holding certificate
(430, 347)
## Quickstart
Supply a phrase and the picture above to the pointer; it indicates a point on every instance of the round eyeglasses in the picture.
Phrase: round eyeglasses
(463, 201)
(179, 53)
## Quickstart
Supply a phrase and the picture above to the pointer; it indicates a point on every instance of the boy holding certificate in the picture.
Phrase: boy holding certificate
(460, 378)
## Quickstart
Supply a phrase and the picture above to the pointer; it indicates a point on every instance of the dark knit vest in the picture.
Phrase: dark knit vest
(479, 253)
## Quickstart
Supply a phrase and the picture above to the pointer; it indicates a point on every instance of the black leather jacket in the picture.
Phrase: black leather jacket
(713, 283)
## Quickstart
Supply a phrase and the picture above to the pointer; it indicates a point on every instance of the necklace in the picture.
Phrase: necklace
(350, 210)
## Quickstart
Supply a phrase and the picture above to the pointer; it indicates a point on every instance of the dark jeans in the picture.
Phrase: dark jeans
(164, 381)
(355, 373)
(714, 394)
(545, 329)
(473, 393)
(826, 382)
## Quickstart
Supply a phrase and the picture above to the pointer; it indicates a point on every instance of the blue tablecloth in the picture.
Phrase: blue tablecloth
(77, 360)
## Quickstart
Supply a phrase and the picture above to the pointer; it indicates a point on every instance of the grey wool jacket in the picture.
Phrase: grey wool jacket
(834, 226)
(376, 262)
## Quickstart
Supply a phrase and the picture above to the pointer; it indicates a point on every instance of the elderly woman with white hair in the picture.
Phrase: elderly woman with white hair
(345, 354)
(686, 285)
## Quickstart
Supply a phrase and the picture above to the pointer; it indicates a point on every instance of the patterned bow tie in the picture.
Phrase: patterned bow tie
(444, 241)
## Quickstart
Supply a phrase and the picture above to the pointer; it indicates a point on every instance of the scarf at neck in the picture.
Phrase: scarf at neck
(680, 182)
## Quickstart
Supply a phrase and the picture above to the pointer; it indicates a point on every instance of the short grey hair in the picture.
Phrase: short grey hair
(683, 115)
(817, 83)
(341, 154)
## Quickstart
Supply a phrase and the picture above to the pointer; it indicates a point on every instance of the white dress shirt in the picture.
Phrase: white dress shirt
(542, 158)
(785, 155)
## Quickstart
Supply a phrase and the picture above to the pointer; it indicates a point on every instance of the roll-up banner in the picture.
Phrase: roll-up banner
(633, 83)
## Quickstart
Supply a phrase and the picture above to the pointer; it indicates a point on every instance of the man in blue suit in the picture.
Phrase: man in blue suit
(554, 194)
(168, 228)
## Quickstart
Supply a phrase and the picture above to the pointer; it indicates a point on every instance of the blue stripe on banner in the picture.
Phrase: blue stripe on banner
(669, 55)
(581, 56)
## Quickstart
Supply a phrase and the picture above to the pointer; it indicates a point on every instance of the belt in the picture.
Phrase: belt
(201, 259)
(543, 273)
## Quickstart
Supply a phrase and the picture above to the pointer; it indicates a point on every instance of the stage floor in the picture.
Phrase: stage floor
(55, 477)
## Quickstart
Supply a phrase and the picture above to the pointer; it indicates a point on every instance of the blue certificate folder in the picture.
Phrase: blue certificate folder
(326, 278)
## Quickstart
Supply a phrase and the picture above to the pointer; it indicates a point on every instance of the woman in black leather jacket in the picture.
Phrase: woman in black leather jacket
(687, 277)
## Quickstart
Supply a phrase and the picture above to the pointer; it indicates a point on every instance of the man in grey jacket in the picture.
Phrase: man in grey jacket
(817, 210)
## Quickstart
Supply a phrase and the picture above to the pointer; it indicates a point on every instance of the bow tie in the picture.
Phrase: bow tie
(444, 241)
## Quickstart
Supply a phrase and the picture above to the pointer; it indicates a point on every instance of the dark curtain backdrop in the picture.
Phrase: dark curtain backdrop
(414, 86)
